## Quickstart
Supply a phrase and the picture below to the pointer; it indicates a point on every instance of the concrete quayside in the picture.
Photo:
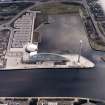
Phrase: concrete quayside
(70, 61)
(49, 101)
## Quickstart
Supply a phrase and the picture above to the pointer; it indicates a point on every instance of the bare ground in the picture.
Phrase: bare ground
(63, 34)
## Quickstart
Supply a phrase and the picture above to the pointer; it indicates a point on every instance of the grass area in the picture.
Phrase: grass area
(13, 7)
(61, 8)
(98, 45)
(58, 8)
(9, 10)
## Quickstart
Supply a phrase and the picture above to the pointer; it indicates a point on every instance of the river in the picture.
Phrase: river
(51, 82)
(58, 82)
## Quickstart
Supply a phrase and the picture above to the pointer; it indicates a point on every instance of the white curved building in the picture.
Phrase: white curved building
(31, 47)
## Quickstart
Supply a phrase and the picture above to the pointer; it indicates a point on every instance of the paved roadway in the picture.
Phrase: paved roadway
(94, 21)
(37, 2)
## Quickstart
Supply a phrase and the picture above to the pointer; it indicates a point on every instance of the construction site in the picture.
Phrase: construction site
(43, 38)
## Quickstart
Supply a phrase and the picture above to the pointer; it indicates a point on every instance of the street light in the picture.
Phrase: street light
(80, 49)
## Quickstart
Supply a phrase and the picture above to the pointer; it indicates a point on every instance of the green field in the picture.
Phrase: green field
(58, 8)
(9, 10)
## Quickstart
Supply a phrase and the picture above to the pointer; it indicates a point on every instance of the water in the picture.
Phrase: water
(50, 82)
(58, 82)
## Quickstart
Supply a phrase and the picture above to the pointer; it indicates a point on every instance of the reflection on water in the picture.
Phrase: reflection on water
(51, 82)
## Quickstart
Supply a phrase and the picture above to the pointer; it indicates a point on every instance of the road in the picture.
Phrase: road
(37, 2)
(93, 20)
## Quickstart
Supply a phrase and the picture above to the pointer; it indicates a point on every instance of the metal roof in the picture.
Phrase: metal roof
(47, 57)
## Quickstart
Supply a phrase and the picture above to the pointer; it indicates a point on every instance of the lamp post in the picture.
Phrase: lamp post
(80, 49)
